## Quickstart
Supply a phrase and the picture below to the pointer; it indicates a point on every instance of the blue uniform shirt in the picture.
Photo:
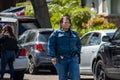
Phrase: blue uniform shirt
(64, 43)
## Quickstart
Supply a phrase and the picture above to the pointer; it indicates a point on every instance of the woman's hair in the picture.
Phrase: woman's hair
(65, 16)
(7, 28)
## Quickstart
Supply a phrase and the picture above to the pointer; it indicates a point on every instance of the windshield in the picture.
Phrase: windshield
(44, 36)
(110, 34)
(117, 35)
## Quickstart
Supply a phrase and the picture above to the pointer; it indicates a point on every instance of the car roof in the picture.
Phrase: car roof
(7, 19)
(13, 9)
(41, 29)
(104, 31)
(13, 15)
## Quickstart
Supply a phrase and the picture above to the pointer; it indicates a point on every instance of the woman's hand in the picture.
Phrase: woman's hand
(53, 59)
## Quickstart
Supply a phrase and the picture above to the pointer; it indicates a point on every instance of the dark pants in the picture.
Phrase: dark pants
(7, 58)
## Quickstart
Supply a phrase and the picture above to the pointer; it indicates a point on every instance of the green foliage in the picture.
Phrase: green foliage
(80, 16)
(28, 8)
(83, 19)
(63, 2)
(96, 23)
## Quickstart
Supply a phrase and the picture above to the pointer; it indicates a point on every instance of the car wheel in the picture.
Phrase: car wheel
(53, 70)
(19, 75)
(99, 71)
(32, 69)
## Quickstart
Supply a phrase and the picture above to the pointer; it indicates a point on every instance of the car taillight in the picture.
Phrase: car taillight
(23, 52)
(39, 47)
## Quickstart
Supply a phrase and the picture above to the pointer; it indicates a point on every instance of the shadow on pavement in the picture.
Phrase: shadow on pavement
(44, 72)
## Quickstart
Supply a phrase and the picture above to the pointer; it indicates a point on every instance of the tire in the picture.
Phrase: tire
(19, 75)
(99, 71)
(32, 69)
(53, 70)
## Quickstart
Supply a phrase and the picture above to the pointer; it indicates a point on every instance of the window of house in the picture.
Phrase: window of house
(115, 6)
(104, 6)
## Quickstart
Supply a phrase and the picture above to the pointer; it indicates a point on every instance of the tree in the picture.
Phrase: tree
(40, 10)
(41, 13)
(5, 4)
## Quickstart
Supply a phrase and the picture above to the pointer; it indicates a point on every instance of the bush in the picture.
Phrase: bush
(80, 16)
(96, 23)
(83, 19)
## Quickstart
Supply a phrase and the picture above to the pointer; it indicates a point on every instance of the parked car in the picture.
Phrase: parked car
(22, 23)
(20, 64)
(13, 9)
(21, 60)
(91, 43)
(107, 63)
(36, 41)
(10, 21)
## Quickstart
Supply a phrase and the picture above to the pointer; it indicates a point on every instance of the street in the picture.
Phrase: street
(46, 76)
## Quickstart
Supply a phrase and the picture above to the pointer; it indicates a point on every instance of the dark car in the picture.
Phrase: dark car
(107, 65)
(35, 41)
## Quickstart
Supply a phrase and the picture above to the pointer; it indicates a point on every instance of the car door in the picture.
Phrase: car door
(90, 46)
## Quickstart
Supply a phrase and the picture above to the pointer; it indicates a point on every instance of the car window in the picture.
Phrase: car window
(95, 39)
(31, 36)
(117, 35)
(85, 39)
(44, 36)
(22, 38)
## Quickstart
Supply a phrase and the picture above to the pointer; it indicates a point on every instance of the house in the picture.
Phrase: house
(109, 9)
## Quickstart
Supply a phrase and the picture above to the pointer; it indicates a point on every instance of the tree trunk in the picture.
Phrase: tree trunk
(41, 13)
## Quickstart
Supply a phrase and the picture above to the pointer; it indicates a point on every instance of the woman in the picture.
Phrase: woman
(9, 42)
(64, 47)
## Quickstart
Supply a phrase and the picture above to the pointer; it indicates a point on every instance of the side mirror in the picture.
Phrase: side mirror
(106, 39)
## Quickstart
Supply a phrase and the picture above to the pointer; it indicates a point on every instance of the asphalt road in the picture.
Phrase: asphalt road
(46, 76)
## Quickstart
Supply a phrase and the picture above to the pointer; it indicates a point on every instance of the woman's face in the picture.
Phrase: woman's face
(65, 24)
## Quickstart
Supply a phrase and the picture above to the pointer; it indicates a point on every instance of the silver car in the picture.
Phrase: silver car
(35, 41)
(91, 42)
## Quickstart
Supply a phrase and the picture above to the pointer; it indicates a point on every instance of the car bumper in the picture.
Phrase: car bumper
(113, 73)
(43, 60)
(20, 63)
